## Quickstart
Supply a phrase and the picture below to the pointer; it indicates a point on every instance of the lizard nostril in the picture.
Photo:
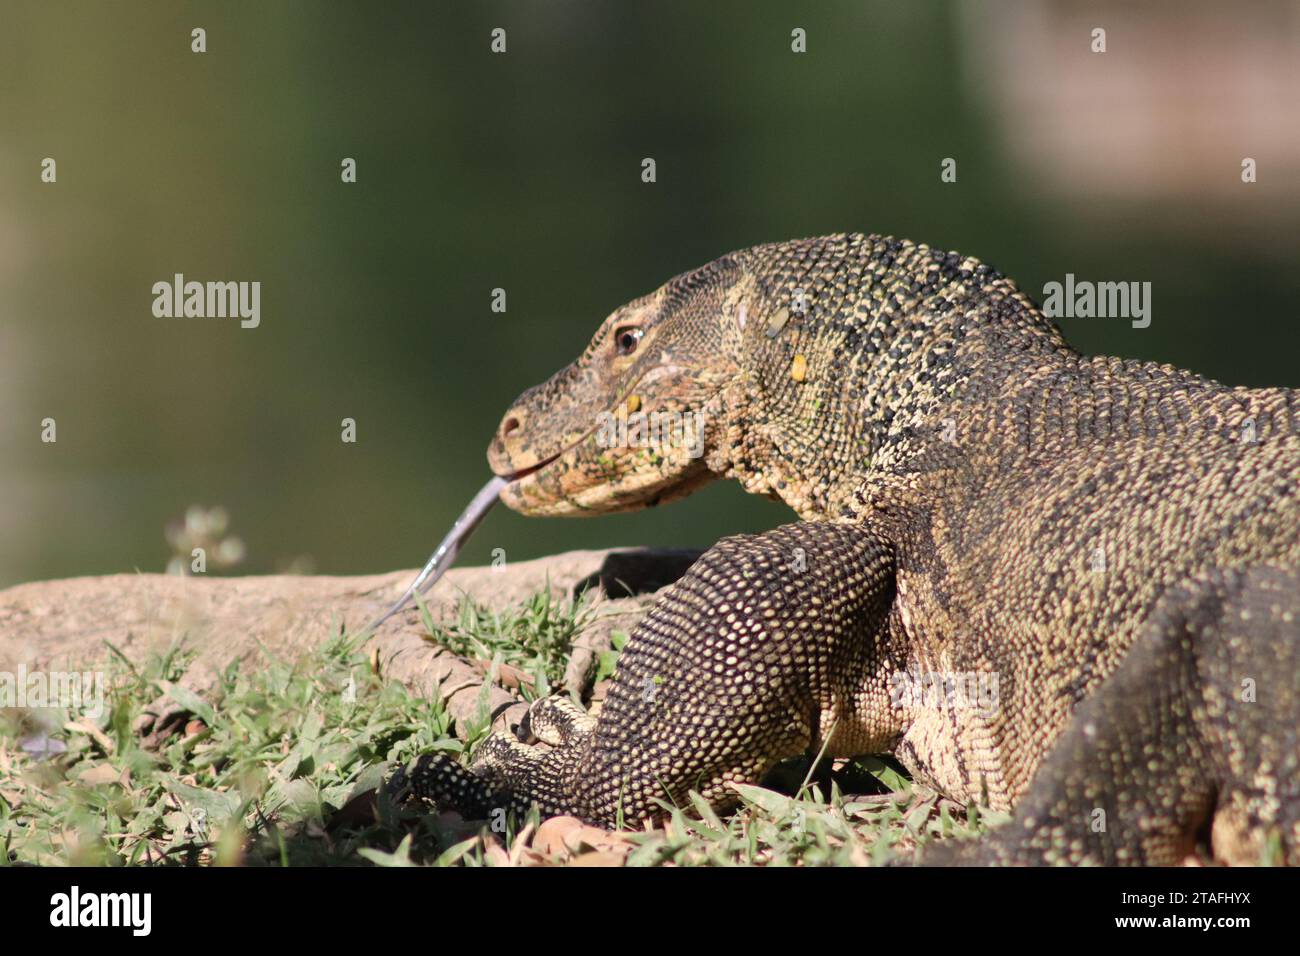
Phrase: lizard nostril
(511, 424)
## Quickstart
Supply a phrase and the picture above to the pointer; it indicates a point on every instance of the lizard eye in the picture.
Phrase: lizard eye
(626, 339)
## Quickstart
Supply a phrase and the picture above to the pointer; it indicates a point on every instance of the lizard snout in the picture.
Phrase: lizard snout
(510, 455)
(504, 453)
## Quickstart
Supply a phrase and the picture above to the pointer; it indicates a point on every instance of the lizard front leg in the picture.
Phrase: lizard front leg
(766, 646)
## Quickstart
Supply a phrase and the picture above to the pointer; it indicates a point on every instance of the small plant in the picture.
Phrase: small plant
(532, 641)
(199, 542)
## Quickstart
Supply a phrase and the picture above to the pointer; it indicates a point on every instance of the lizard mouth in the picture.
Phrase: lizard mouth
(523, 473)
(520, 474)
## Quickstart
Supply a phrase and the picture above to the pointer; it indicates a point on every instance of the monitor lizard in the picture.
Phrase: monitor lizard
(1060, 586)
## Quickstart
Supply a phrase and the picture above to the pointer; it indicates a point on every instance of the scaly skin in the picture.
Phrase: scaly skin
(1106, 550)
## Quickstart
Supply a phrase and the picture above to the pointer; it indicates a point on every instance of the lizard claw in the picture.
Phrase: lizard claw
(556, 721)
(496, 780)
(502, 760)
(506, 773)
(439, 780)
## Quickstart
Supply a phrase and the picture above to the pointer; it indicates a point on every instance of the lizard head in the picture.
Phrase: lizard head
(635, 420)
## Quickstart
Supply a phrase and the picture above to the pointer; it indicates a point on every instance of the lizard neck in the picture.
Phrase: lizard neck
(850, 344)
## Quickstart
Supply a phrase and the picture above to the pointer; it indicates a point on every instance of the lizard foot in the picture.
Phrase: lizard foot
(556, 721)
(507, 773)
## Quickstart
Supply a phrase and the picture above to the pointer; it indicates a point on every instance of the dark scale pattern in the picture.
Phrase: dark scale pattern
(1111, 544)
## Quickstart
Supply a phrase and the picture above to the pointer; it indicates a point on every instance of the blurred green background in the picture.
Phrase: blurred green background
(522, 171)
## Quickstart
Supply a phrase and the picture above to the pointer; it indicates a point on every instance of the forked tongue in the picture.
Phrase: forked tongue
(445, 555)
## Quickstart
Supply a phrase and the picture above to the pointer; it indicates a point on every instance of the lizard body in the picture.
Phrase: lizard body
(1104, 552)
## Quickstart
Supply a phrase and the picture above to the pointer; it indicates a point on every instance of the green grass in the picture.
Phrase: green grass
(533, 638)
(279, 763)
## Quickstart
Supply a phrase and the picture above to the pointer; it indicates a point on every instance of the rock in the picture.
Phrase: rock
(580, 844)
(495, 854)
(67, 625)
(552, 835)
(585, 838)
(598, 858)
